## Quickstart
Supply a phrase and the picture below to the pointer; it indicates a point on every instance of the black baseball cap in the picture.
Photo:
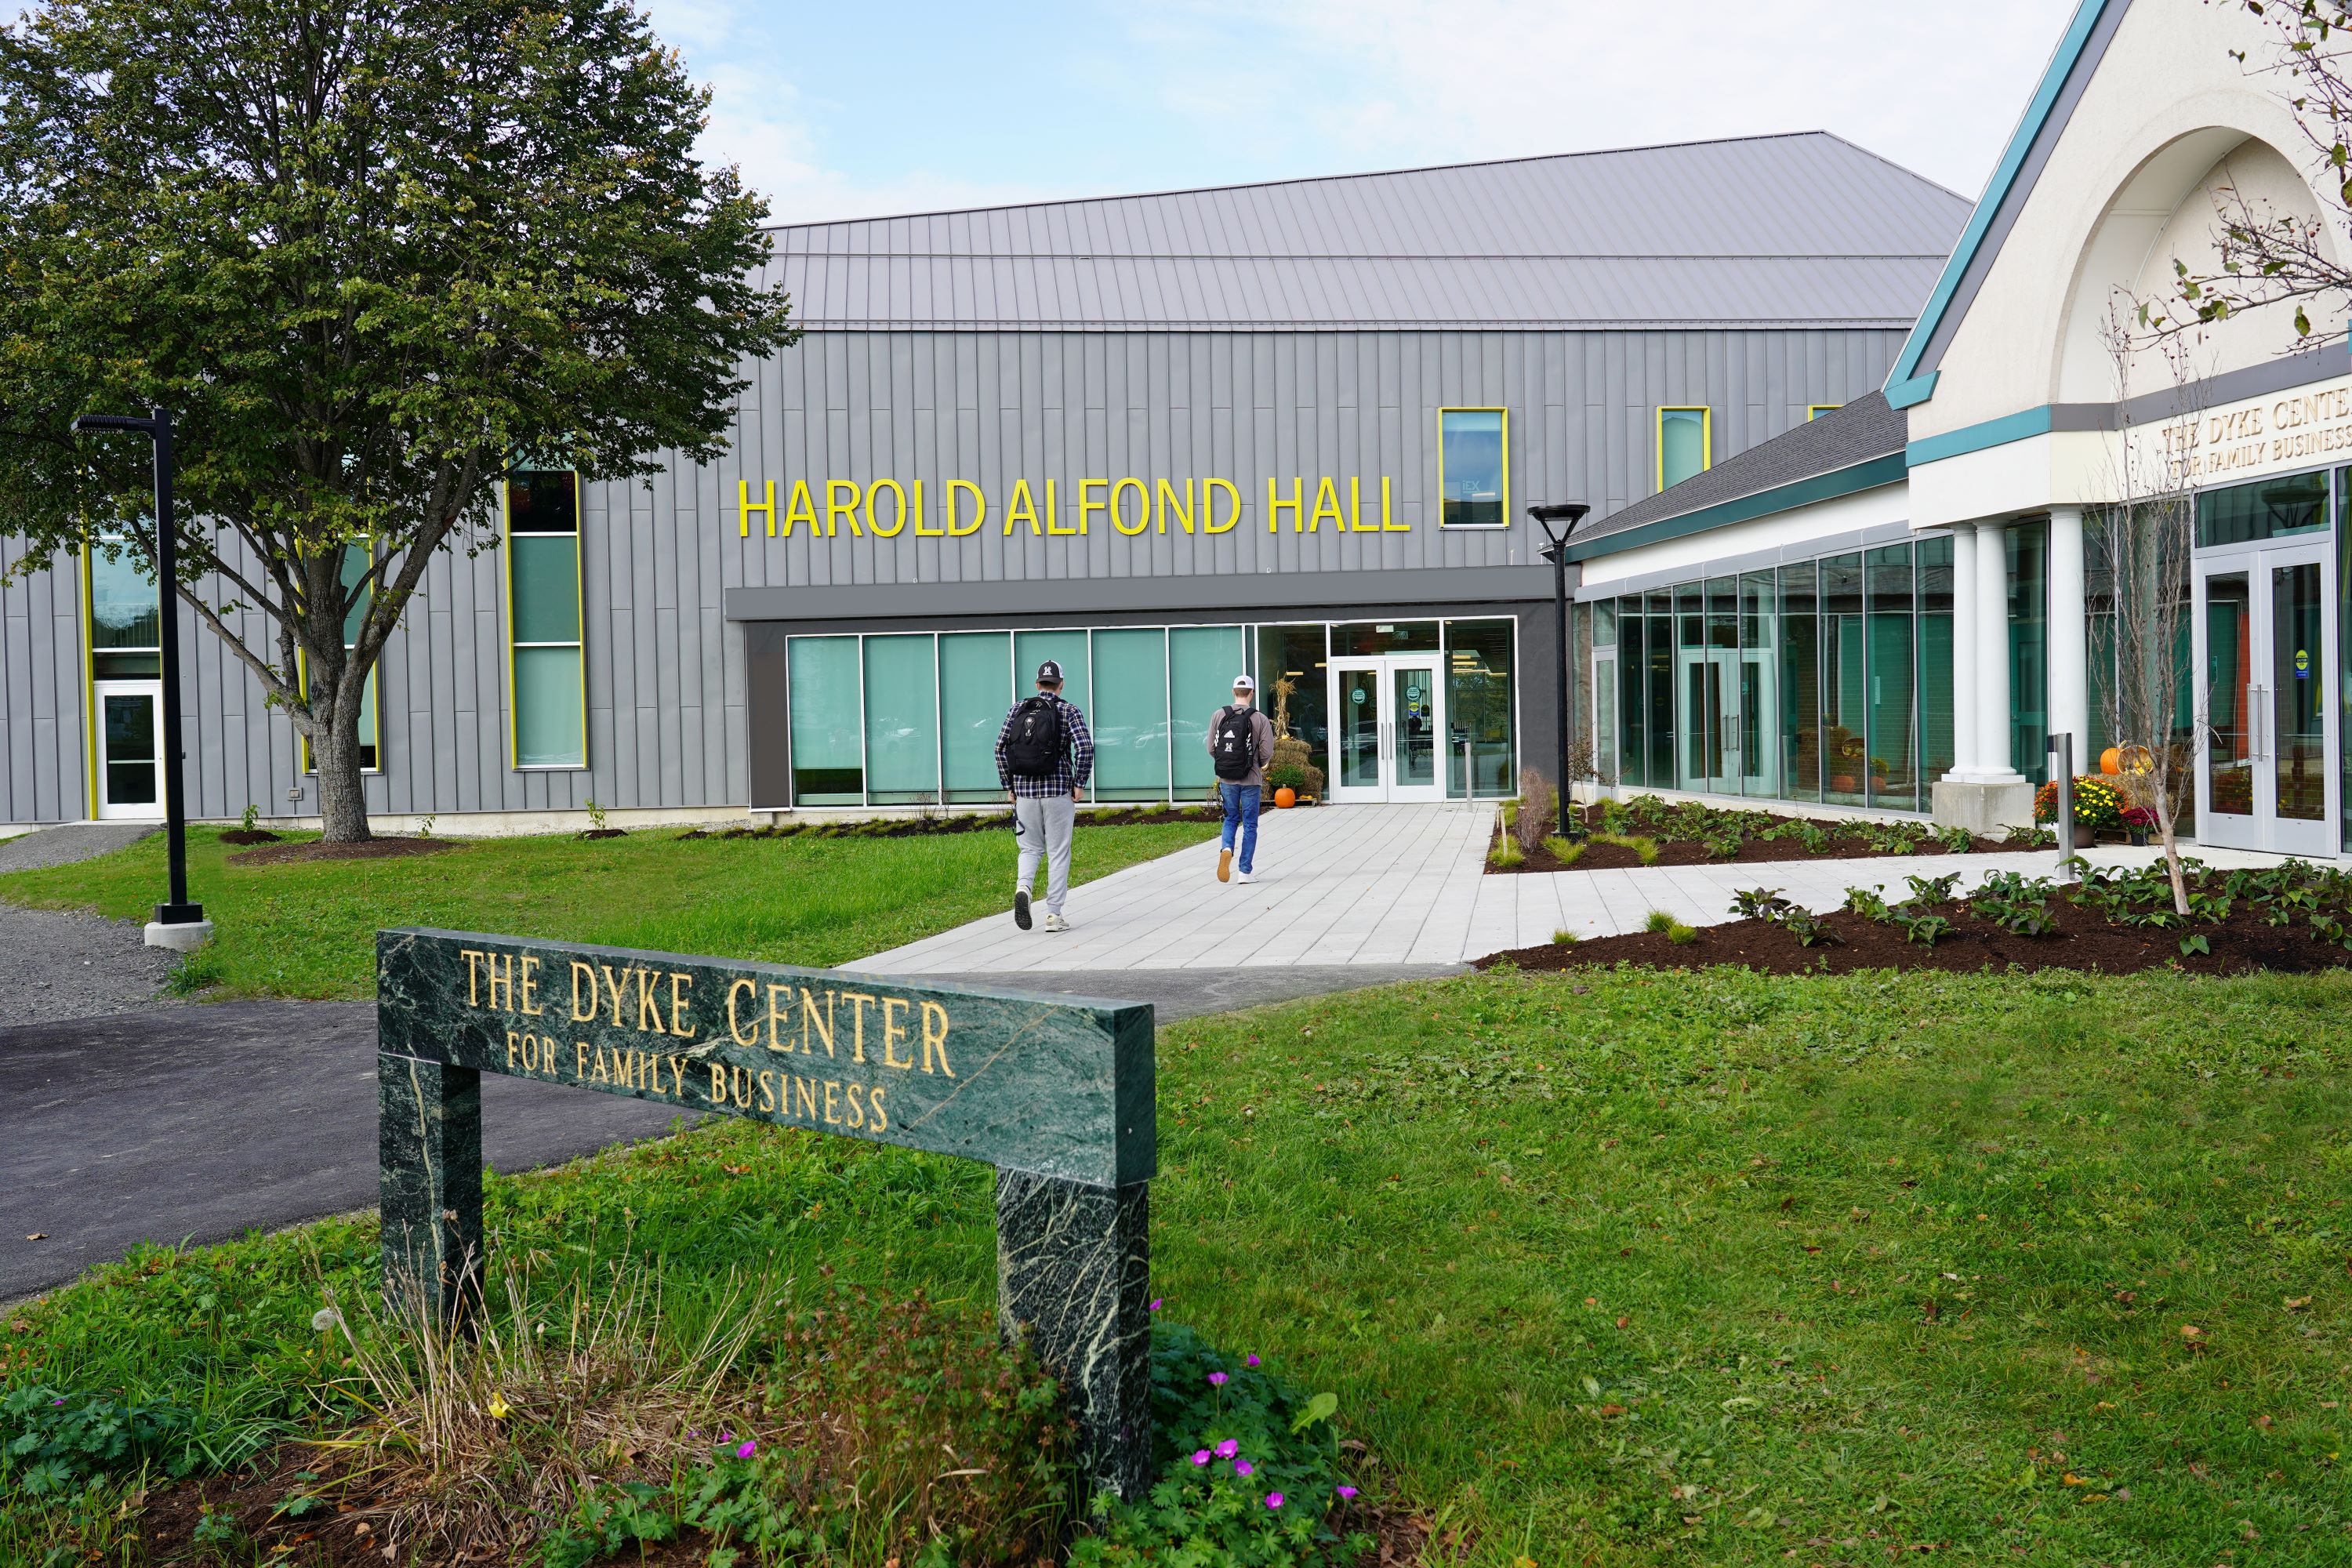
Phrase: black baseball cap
(1050, 670)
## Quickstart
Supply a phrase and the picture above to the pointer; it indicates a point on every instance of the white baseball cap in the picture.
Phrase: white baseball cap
(1244, 683)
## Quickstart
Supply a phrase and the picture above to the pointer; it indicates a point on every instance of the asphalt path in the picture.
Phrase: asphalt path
(198, 1124)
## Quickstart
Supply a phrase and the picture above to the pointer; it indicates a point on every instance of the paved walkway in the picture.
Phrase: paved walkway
(1337, 885)
(1405, 886)
(68, 842)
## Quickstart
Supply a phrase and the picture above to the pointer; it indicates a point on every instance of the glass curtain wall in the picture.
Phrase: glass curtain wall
(1823, 680)
(2029, 650)
(911, 718)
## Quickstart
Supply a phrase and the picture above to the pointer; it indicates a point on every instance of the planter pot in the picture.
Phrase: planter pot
(2084, 836)
(2139, 838)
(1286, 797)
(1841, 782)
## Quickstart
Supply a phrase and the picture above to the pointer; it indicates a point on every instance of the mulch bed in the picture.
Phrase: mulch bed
(926, 826)
(1401, 1538)
(2083, 940)
(365, 849)
(248, 836)
(1752, 851)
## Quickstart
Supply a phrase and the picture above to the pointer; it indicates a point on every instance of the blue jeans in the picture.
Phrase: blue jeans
(1241, 811)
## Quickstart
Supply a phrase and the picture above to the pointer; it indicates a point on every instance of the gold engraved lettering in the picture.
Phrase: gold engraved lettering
(501, 969)
(808, 1017)
(743, 1085)
(717, 1083)
(881, 1122)
(676, 1076)
(833, 1102)
(511, 1042)
(612, 986)
(472, 955)
(648, 1005)
(935, 1037)
(580, 1058)
(734, 1025)
(856, 1110)
(894, 1033)
(582, 1015)
(680, 981)
(778, 1020)
(767, 1088)
(603, 1073)
(806, 1097)
(530, 986)
(859, 1001)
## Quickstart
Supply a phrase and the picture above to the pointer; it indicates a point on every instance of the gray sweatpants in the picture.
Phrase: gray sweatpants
(1041, 825)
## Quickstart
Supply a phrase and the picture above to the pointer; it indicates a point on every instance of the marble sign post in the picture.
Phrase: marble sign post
(1056, 1092)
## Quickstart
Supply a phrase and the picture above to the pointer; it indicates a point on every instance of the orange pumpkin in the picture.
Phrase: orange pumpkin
(1285, 797)
(2111, 761)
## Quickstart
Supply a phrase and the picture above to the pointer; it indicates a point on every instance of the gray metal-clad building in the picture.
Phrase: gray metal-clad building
(1290, 427)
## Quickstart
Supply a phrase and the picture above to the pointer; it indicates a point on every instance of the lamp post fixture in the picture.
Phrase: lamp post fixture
(1567, 514)
(178, 923)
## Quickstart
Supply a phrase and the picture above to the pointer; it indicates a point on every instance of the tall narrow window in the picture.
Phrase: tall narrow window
(1473, 453)
(357, 558)
(549, 691)
(1685, 444)
(125, 698)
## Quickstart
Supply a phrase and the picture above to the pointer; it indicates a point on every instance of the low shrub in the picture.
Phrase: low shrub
(1565, 851)
(55, 1441)
(1659, 921)
(1249, 1469)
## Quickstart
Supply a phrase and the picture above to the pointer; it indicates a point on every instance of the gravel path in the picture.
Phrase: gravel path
(63, 964)
(73, 841)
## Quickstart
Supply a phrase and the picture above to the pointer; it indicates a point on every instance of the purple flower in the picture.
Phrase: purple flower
(1347, 1494)
(1243, 1468)
(726, 1436)
(1274, 1499)
(749, 1447)
(1216, 1380)
(1199, 1455)
(1156, 1300)
(1229, 1448)
(56, 1402)
(1251, 1359)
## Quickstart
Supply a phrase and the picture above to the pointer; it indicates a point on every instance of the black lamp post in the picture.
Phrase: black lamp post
(1567, 514)
(157, 428)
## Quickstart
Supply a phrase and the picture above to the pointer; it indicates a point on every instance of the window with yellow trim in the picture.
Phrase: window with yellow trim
(1685, 444)
(549, 693)
(1818, 409)
(357, 558)
(1474, 479)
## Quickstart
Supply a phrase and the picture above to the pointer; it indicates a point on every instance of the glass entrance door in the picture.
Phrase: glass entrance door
(2266, 653)
(1390, 719)
(130, 750)
(1727, 721)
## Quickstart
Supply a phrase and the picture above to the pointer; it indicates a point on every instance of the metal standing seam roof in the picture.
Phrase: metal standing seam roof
(1799, 230)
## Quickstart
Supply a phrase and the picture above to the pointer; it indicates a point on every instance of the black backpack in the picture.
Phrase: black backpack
(1035, 748)
(1235, 743)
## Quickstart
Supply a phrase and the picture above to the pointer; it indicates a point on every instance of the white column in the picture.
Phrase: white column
(1992, 702)
(2070, 658)
(1964, 653)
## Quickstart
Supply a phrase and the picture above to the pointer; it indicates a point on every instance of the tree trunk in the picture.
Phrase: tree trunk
(342, 802)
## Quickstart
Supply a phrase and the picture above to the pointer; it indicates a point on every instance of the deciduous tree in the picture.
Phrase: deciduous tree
(372, 254)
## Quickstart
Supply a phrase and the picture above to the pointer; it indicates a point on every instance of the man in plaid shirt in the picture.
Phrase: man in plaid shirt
(1044, 754)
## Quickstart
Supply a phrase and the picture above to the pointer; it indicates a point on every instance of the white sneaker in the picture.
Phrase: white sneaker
(1245, 876)
(1056, 922)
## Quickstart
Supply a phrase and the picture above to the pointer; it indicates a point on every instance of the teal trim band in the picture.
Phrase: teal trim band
(1917, 389)
(1864, 475)
(2001, 432)
(1905, 372)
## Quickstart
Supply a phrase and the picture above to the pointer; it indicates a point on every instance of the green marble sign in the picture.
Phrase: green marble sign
(1055, 1092)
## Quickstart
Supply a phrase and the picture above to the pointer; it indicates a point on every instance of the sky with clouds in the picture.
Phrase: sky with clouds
(909, 106)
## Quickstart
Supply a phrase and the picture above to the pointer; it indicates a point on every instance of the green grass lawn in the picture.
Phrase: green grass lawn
(308, 929)
(1622, 1268)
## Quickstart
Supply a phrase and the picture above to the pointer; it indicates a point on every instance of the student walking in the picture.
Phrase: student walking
(1241, 740)
(1044, 754)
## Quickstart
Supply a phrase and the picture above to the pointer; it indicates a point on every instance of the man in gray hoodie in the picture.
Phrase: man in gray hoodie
(1241, 742)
